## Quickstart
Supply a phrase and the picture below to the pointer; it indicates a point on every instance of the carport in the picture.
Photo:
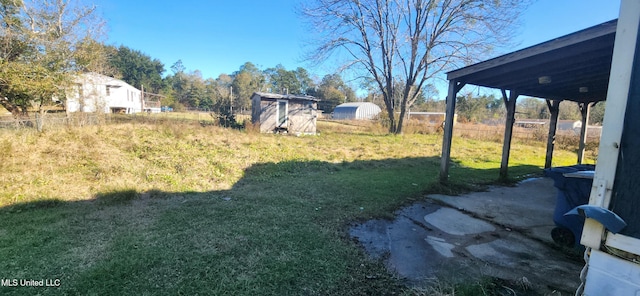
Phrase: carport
(575, 67)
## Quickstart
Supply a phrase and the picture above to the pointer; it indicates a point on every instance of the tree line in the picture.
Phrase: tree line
(181, 88)
(44, 45)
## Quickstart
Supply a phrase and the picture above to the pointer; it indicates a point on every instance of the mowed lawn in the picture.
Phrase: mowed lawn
(175, 208)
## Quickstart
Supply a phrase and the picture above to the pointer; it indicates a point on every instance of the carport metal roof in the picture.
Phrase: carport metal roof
(573, 67)
(580, 59)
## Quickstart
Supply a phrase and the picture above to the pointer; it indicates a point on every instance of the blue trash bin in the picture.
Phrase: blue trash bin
(572, 192)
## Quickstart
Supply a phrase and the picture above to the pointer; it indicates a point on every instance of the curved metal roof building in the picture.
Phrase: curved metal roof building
(356, 110)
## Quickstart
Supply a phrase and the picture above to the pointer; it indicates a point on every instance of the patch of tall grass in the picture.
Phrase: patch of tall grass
(78, 162)
(176, 207)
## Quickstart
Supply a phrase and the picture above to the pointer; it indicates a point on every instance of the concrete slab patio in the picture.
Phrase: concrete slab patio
(503, 233)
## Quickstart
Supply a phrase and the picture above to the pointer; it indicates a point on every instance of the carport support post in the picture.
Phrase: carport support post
(585, 109)
(454, 88)
(510, 103)
(554, 109)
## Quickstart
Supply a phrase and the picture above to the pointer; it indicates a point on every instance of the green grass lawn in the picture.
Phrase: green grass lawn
(180, 209)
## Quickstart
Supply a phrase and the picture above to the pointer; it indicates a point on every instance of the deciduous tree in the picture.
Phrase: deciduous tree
(332, 91)
(246, 81)
(597, 113)
(44, 45)
(532, 108)
(136, 68)
(297, 81)
(408, 40)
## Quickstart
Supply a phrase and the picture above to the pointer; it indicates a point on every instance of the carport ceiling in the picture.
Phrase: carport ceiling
(576, 67)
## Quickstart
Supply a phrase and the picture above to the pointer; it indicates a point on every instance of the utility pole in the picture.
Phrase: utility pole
(231, 99)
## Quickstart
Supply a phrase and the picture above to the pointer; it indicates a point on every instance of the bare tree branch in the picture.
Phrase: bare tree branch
(407, 42)
(46, 42)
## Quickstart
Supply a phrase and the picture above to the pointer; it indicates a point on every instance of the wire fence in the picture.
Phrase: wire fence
(54, 121)
(564, 138)
(62, 120)
(537, 133)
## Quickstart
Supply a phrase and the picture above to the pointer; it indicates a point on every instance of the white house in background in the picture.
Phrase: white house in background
(94, 92)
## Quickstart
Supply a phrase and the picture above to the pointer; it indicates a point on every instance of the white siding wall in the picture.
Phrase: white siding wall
(90, 95)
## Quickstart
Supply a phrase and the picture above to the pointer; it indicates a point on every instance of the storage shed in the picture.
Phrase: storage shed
(356, 110)
(276, 113)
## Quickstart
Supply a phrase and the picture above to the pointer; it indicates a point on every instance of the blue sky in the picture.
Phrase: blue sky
(216, 36)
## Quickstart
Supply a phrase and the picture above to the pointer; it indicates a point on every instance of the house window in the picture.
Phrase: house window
(108, 90)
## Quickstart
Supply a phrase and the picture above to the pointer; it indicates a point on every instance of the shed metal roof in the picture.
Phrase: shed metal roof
(285, 97)
(355, 104)
(577, 67)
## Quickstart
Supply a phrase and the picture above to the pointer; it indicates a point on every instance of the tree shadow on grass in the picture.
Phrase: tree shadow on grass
(279, 230)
